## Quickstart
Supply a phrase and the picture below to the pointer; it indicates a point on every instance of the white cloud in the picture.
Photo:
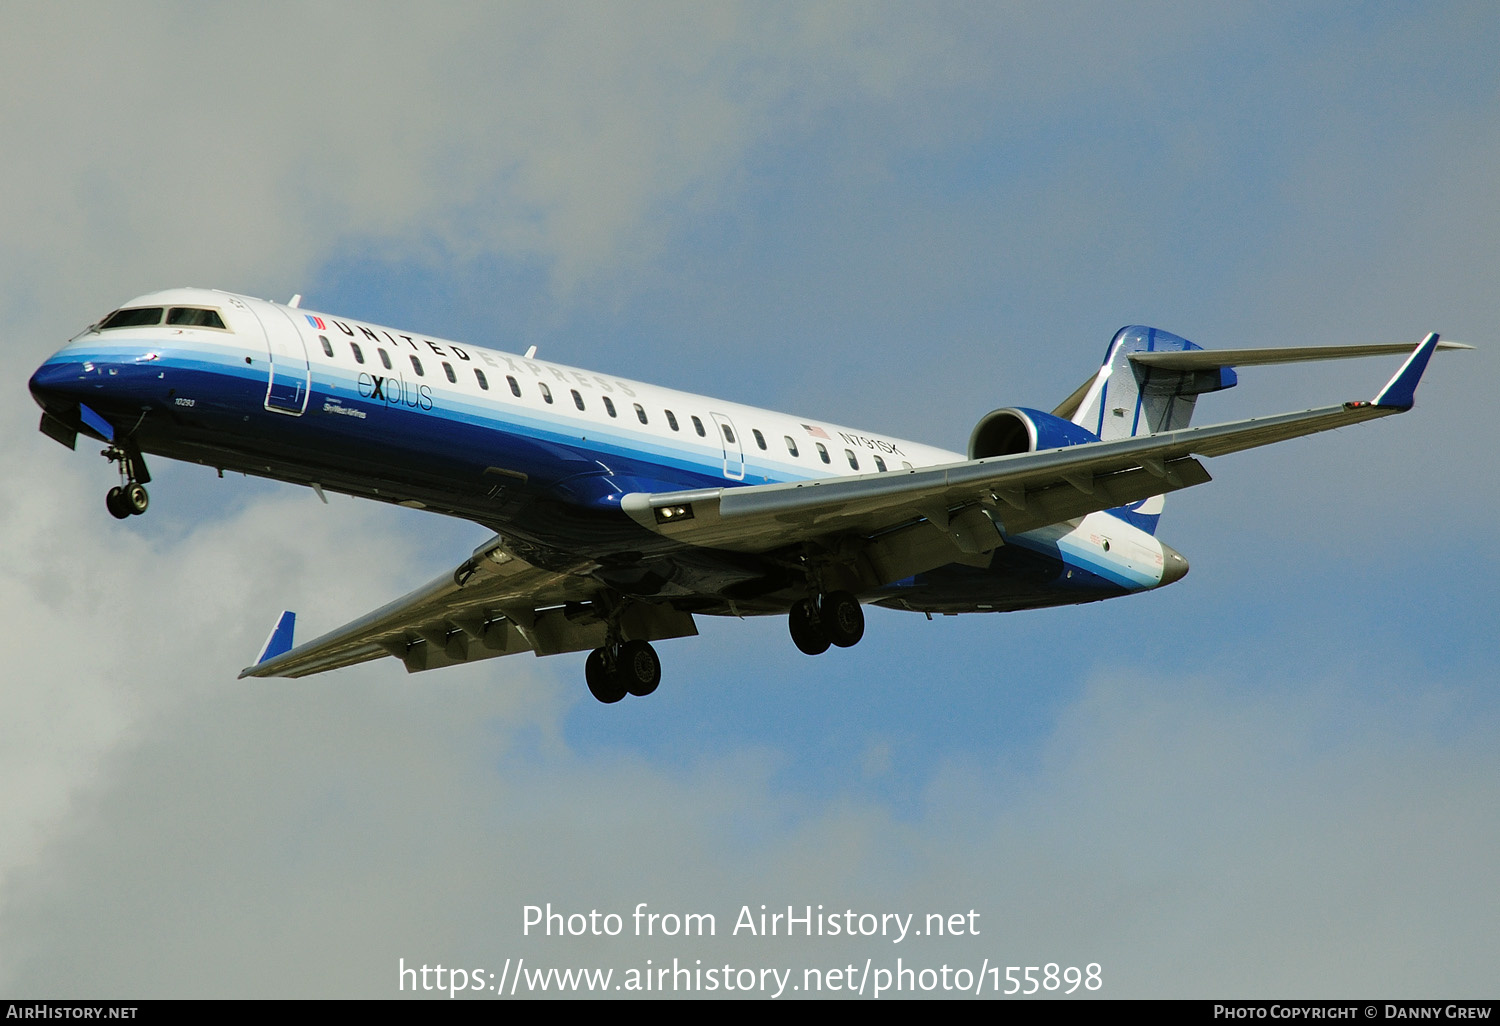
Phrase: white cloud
(1196, 837)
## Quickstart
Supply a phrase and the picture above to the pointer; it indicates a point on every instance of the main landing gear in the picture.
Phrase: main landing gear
(834, 618)
(622, 668)
(129, 498)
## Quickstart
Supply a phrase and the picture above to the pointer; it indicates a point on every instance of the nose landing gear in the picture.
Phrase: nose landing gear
(129, 498)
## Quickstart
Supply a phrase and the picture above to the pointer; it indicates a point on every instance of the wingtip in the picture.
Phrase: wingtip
(1401, 391)
(279, 642)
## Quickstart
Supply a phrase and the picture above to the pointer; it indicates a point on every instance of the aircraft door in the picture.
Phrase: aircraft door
(287, 379)
(729, 441)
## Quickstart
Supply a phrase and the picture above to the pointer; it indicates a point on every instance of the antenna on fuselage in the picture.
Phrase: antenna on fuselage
(296, 301)
(531, 352)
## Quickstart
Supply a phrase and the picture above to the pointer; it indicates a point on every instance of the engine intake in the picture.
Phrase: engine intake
(1015, 429)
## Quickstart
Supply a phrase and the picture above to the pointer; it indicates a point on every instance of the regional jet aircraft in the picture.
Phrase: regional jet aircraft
(621, 510)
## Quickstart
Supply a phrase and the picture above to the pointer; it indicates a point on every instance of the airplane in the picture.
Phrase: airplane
(620, 511)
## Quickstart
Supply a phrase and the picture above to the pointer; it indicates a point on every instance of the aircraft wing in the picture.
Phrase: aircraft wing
(492, 604)
(1023, 491)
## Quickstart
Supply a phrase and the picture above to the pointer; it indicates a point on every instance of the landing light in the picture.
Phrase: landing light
(671, 514)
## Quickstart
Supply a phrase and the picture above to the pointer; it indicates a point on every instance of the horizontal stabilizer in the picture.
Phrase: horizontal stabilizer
(1207, 359)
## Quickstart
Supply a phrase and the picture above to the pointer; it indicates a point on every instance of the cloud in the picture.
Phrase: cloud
(1200, 837)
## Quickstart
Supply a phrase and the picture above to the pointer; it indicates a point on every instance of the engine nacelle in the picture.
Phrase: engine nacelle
(1016, 429)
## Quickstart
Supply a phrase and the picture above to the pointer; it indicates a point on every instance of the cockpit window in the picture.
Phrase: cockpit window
(133, 317)
(195, 317)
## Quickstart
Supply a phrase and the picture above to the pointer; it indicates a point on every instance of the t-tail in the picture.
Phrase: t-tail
(1128, 398)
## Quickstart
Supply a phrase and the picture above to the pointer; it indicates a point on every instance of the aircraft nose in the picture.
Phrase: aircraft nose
(1174, 565)
(57, 381)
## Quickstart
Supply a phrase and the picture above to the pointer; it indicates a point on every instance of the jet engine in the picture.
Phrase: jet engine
(1015, 430)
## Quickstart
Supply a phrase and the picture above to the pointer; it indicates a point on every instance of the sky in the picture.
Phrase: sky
(1276, 778)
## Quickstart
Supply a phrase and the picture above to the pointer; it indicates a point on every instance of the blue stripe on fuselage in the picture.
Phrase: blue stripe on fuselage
(451, 445)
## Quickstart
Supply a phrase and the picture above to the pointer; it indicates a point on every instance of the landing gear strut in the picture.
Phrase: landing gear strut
(129, 498)
(622, 668)
(834, 618)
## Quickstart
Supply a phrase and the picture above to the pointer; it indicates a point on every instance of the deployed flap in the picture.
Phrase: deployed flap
(1023, 491)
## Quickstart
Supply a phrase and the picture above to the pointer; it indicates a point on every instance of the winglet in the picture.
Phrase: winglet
(280, 641)
(1401, 391)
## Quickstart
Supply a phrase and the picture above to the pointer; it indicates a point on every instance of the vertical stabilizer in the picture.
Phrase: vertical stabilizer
(1128, 399)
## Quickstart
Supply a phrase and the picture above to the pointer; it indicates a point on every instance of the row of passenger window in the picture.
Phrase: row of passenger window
(609, 405)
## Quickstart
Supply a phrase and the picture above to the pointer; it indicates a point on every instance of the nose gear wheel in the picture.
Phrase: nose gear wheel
(129, 498)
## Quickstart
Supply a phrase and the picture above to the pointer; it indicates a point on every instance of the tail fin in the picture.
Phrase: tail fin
(1128, 398)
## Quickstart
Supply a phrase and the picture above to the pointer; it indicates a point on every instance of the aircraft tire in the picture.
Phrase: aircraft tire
(638, 669)
(602, 684)
(114, 501)
(136, 499)
(842, 619)
(807, 633)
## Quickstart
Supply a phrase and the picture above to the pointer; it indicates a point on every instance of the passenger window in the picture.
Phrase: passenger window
(546, 392)
(385, 359)
(194, 317)
(515, 386)
(760, 439)
(822, 453)
(416, 365)
(640, 413)
(698, 427)
(479, 377)
(359, 357)
(880, 464)
(728, 434)
(327, 345)
(791, 446)
(609, 406)
(671, 420)
(448, 370)
(853, 460)
(577, 399)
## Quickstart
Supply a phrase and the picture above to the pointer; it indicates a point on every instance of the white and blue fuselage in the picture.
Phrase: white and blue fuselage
(539, 452)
